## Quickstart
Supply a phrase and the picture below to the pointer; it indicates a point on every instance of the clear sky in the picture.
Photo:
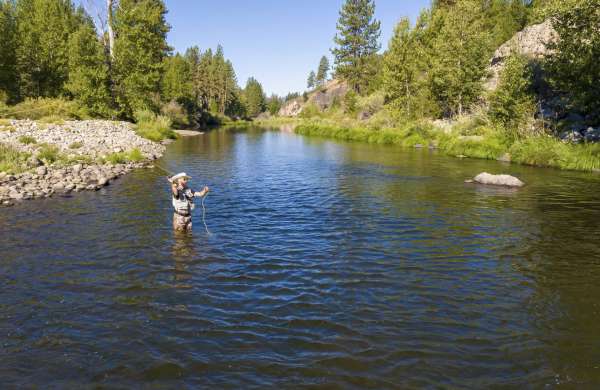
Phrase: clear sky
(276, 41)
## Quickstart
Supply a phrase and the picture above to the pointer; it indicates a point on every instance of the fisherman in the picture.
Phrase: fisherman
(183, 201)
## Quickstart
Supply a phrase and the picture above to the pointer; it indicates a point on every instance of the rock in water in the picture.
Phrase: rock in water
(498, 180)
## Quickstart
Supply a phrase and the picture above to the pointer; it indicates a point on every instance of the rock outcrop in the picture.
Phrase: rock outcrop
(82, 145)
(532, 42)
(322, 97)
(497, 180)
(291, 108)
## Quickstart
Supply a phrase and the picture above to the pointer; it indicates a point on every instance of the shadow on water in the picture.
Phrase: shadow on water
(331, 264)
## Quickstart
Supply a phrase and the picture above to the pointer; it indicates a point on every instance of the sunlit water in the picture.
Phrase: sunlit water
(329, 264)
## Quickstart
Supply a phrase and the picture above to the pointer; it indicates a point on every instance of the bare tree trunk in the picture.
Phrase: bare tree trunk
(111, 33)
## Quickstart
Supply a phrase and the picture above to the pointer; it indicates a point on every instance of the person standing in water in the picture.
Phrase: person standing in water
(183, 201)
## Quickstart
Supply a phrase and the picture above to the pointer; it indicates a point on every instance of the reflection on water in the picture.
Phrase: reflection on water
(331, 264)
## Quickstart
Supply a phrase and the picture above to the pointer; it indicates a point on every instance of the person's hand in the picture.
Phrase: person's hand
(206, 189)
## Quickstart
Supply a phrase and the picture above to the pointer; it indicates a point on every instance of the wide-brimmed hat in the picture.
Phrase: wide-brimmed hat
(179, 176)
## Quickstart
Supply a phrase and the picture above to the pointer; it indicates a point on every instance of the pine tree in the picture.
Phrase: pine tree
(310, 83)
(255, 97)
(273, 104)
(43, 29)
(357, 43)
(8, 73)
(458, 57)
(88, 80)
(322, 71)
(574, 66)
(140, 46)
(401, 68)
(176, 83)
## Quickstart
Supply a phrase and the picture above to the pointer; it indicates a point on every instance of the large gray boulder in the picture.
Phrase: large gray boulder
(498, 180)
(531, 42)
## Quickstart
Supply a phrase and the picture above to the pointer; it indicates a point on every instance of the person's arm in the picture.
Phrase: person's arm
(200, 194)
(174, 189)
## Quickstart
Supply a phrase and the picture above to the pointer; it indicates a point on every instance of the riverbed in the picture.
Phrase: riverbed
(330, 264)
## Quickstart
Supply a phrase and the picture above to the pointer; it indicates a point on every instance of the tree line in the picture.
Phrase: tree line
(436, 66)
(51, 48)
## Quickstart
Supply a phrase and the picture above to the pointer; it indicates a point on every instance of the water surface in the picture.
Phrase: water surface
(330, 264)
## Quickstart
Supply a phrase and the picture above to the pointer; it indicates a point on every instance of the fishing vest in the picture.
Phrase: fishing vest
(183, 202)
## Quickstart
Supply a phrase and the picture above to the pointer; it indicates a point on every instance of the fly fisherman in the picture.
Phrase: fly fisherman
(183, 201)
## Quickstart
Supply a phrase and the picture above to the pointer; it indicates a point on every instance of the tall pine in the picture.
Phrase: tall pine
(255, 97)
(322, 71)
(357, 43)
(310, 82)
(8, 72)
(88, 81)
(42, 53)
(459, 55)
(140, 46)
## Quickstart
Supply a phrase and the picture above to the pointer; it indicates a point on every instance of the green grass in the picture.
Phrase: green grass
(50, 110)
(12, 160)
(134, 155)
(543, 151)
(153, 127)
(76, 145)
(27, 140)
(550, 152)
(48, 154)
(52, 120)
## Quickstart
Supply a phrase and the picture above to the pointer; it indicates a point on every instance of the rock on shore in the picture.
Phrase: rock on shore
(84, 140)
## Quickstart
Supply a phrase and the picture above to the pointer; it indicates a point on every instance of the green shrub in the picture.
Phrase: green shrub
(12, 160)
(350, 102)
(153, 127)
(512, 104)
(175, 112)
(310, 110)
(116, 158)
(26, 140)
(48, 153)
(44, 107)
(370, 104)
(76, 145)
(134, 155)
(52, 119)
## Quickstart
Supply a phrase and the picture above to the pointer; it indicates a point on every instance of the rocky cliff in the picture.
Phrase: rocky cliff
(322, 97)
(531, 42)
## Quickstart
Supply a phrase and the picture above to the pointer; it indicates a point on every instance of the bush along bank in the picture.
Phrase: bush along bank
(467, 139)
(42, 159)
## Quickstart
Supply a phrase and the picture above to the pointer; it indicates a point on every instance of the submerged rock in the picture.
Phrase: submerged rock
(497, 180)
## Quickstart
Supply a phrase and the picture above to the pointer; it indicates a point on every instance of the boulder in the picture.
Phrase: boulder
(498, 180)
(531, 42)
(571, 136)
(41, 171)
(592, 134)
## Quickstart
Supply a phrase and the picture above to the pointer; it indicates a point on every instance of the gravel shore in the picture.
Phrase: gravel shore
(83, 145)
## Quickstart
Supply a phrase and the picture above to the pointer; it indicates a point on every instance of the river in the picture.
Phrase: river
(331, 264)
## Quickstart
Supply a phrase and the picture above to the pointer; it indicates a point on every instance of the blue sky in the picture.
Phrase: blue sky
(276, 41)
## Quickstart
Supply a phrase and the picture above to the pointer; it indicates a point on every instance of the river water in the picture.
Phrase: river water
(330, 264)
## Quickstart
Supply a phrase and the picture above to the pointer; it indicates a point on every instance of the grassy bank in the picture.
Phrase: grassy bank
(475, 141)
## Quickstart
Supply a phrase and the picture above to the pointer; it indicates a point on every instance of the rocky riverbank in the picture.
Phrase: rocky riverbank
(86, 155)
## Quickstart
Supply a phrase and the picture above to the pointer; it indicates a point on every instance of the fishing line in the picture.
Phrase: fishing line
(205, 195)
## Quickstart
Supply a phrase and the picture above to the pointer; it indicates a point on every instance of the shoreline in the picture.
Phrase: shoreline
(541, 151)
(70, 156)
